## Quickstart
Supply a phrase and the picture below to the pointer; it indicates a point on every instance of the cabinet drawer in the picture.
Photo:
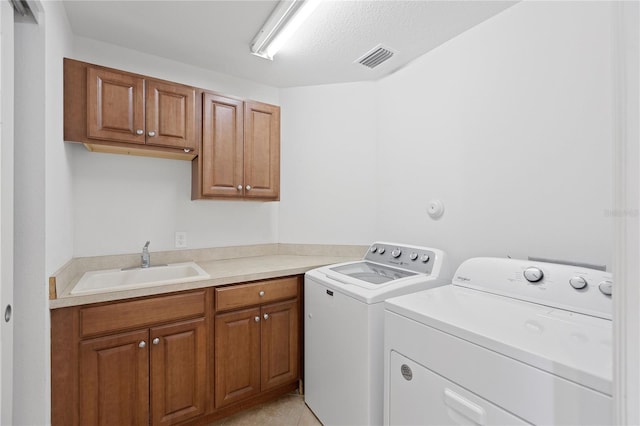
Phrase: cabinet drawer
(140, 313)
(256, 293)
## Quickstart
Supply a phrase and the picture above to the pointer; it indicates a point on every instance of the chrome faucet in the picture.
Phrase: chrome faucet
(145, 257)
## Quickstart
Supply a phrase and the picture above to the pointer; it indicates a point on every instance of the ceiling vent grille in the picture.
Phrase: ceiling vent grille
(376, 56)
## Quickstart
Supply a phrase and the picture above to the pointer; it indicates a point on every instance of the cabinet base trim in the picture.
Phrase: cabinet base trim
(109, 149)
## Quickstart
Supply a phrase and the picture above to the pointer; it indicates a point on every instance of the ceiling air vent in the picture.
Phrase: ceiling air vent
(375, 56)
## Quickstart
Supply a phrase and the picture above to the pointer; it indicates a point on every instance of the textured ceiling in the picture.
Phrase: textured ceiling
(216, 34)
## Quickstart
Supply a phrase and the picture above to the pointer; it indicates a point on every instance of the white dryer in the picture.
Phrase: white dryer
(510, 342)
(343, 327)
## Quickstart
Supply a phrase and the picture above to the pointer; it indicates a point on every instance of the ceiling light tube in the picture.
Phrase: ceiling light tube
(283, 22)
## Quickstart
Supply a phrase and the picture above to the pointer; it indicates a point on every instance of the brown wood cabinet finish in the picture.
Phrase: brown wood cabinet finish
(145, 361)
(115, 106)
(261, 150)
(178, 366)
(239, 296)
(171, 115)
(280, 344)
(114, 380)
(258, 348)
(237, 356)
(222, 145)
(172, 359)
(115, 111)
(240, 154)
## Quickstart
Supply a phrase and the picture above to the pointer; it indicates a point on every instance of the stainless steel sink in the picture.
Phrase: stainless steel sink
(127, 279)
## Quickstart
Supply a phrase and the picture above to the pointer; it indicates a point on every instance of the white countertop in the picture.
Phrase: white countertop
(247, 263)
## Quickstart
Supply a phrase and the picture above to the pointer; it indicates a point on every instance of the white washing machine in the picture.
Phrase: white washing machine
(511, 342)
(343, 328)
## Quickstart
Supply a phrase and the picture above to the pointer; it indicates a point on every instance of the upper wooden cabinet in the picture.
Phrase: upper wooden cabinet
(240, 153)
(114, 111)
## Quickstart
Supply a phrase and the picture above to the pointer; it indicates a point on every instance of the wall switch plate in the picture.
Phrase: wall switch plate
(181, 240)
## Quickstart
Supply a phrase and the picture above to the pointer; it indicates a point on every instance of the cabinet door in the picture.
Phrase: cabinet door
(114, 380)
(178, 371)
(280, 343)
(237, 355)
(262, 150)
(222, 142)
(171, 115)
(115, 106)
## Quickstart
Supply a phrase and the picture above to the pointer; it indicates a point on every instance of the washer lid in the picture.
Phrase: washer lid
(373, 273)
(574, 346)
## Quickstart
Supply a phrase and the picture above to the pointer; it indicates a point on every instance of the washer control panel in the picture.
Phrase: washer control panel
(414, 258)
(573, 288)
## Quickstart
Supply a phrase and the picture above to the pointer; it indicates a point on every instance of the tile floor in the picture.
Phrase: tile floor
(288, 410)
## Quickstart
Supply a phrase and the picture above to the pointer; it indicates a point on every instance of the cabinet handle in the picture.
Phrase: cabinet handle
(248, 187)
(257, 319)
(142, 344)
(151, 133)
(261, 294)
(239, 187)
(266, 316)
(187, 150)
(139, 132)
(155, 341)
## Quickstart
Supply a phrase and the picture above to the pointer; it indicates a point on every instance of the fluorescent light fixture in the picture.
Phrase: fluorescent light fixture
(283, 22)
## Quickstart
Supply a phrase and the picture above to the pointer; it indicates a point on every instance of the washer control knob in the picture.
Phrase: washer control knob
(424, 258)
(413, 256)
(396, 253)
(373, 249)
(533, 274)
(578, 283)
(381, 250)
(606, 287)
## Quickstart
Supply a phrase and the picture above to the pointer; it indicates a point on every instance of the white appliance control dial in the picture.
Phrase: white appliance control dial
(373, 249)
(578, 282)
(413, 256)
(606, 287)
(396, 253)
(533, 274)
(382, 250)
(424, 258)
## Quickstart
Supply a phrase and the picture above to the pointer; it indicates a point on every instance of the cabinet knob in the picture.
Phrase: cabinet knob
(142, 344)
(266, 316)
(248, 187)
(187, 150)
(139, 132)
(156, 341)
(261, 294)
(151, 133)
(239, 187)
(257, 319)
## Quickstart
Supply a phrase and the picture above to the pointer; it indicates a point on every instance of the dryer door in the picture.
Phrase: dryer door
(419, 396)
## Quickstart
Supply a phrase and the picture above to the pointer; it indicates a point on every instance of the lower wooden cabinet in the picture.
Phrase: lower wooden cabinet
(133, 362)
(257, 349)
(114, 380)
(178, 368)
(184, 358)
(159, 372)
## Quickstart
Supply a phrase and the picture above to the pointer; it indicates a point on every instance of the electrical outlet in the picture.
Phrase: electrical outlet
(181, 240)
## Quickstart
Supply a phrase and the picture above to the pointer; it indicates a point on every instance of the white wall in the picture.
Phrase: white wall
(120, 202)
(509, 124)
(328, 164)
(30, 333)
(43, 223)
(6, 210)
